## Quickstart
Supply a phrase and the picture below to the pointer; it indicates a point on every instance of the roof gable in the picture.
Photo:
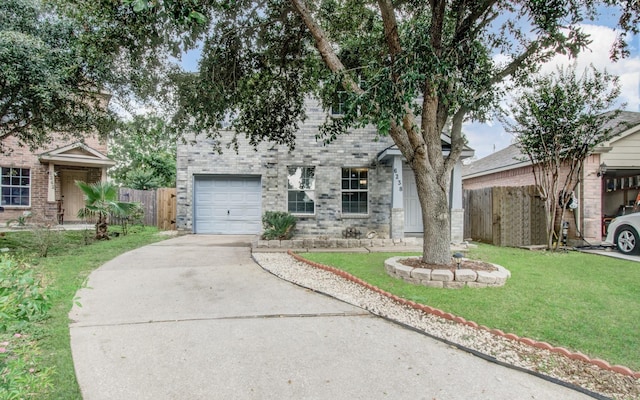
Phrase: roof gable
(76, 153)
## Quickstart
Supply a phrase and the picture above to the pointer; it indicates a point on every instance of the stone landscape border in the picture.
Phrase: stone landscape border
(434, 311)
(444, 278)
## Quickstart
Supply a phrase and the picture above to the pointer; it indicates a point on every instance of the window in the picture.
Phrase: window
(338, 104)
(15, 186)
(301, 185)
(355, 186)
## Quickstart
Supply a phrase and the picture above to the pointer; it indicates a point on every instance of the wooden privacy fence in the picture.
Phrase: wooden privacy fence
(159, 205)
(505, 216)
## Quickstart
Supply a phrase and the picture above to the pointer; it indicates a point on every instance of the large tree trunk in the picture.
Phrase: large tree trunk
(435, 219)
(420, 144)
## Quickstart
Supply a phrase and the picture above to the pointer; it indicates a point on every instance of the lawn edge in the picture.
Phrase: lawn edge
(602, 364)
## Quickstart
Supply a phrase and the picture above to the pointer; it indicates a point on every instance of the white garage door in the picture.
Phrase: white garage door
(227, 205)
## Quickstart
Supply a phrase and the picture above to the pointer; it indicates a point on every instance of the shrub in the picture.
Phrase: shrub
(22, 297)
(45, 238)
(278, 225)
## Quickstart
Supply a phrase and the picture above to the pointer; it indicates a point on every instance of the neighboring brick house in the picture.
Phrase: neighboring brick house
(43, 182)
(609, 185)
(358, 182)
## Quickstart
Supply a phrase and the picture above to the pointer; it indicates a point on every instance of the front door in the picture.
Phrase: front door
(73, 198)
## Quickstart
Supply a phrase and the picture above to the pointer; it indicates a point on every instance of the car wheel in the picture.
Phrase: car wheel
(627, 240)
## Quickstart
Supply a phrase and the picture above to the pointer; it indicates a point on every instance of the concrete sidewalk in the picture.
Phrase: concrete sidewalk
(195, 317)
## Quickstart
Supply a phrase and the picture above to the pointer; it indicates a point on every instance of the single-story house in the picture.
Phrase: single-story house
(610, 181)
(42, 182)
(357, 184)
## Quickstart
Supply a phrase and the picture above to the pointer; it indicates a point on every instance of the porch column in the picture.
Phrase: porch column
(103, 177)
(51, 186)
(397, 200)
(455, 202)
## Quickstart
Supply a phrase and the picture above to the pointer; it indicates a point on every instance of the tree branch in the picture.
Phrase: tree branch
(323, 45)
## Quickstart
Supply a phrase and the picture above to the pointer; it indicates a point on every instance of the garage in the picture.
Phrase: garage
(227, 205)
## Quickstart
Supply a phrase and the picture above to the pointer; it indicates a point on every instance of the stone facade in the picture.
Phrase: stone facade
(358, 149)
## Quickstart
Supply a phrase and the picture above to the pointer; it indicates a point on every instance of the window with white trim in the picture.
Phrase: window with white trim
(355, 190)
(301, 186)
(15, 186)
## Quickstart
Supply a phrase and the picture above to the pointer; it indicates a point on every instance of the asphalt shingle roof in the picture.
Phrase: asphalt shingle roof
(511, 157)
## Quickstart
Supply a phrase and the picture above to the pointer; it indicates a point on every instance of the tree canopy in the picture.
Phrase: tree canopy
(144, 152)
(408, 67)
(46, 83)
(557, 122)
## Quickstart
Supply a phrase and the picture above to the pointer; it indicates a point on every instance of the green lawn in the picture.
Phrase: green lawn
(71, 258)
(583, 302)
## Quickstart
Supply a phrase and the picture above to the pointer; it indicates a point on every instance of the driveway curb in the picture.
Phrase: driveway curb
(437, 312)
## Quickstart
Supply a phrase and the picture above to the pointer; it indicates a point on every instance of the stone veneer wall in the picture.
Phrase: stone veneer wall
(357, 149)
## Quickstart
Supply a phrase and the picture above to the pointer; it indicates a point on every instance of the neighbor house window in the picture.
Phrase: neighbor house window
(301, 185)
(15, 186)
(355, 191)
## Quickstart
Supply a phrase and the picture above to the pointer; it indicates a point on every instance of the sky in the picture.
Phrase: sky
(486, 138)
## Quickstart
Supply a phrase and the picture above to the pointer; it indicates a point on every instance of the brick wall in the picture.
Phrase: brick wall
(522, 176)
(22, 157)
(357, 149)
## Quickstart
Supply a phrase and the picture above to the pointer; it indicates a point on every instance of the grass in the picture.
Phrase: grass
(583, 302)
(72, 255)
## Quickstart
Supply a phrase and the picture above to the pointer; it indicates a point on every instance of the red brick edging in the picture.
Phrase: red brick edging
(430, 310)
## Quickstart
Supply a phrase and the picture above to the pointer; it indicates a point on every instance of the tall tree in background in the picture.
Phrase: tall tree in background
(557, 122)
(407, 67)
(144, 152)
(46, 83)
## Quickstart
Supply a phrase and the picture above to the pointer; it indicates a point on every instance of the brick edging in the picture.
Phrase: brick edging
(434, 311)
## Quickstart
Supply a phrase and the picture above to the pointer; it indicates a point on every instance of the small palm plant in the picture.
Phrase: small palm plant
(101, 200)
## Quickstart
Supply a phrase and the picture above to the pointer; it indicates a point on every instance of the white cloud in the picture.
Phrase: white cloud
(486, 138)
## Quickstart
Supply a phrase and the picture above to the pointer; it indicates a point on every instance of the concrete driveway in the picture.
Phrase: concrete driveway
(195, 317)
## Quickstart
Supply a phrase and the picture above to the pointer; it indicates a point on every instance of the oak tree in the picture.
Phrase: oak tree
(408, 67)
(47, 84)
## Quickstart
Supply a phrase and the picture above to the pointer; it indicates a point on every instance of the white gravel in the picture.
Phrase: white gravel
(509, 351)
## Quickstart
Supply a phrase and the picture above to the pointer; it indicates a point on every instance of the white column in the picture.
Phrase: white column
(456, 186)
(51, 187)
(397, 198)
(103, 178)
(455, 202)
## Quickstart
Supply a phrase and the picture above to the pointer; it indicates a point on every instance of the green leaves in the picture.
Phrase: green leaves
(101, 199)
(22, 295)
(45, 83)
(563, 115)
(145, 153)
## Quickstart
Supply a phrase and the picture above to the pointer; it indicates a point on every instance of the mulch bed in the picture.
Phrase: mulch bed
(474, 265)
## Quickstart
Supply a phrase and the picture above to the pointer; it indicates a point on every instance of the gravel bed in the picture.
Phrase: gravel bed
(586, 375)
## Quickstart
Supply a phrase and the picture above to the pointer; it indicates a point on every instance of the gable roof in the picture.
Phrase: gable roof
(627, 123)
(502, 160)
(78, 154)
(445, 142)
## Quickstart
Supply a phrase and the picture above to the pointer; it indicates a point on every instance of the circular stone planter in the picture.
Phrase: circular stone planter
(444, 278)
